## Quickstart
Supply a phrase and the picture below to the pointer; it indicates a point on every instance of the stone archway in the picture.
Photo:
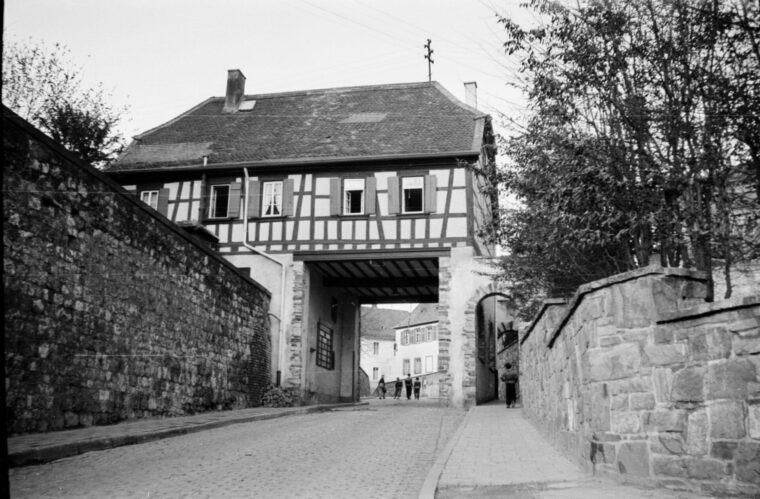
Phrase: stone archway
(475, 365)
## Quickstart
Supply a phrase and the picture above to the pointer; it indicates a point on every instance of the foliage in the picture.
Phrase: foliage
(276, 396)
(43, 86)
(641, 140)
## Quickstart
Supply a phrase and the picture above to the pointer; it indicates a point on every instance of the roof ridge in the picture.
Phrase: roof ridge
(357, 88)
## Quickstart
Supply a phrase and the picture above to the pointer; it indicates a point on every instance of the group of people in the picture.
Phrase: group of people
(399, 385)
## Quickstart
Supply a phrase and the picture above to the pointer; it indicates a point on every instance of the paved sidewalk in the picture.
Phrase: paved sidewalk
(497, 452)
(45, 447)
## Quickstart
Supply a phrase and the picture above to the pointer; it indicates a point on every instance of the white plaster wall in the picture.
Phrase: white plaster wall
(467, 275)
(385, 361)
(269, 274)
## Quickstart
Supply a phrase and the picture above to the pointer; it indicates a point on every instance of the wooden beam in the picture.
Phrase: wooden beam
(404, 282)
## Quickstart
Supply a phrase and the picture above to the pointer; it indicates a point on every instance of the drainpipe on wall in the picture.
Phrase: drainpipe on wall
(280, 333)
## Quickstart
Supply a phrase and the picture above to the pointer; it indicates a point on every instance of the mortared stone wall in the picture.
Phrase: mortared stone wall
(637, 377)
(111, 311)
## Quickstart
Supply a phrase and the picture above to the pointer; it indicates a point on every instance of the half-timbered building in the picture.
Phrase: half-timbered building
(332, 198)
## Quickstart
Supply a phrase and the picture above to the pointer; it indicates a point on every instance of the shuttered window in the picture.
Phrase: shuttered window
(412, 194)
(157, 199)
(270, 198)
(150, 198)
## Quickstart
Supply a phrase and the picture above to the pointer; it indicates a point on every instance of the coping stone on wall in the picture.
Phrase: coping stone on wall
(549, 302)
(704, 309)
(590, 287)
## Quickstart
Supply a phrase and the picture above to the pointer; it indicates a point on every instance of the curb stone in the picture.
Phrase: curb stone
(52, 452)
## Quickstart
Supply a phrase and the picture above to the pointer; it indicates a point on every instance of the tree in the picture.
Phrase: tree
(640, 141)
(43, 86)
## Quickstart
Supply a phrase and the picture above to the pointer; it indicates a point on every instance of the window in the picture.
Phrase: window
(417, 365)
(353, 201)
(150, 198)
(412, 194)
(325, 356)
(406, 368)
(272, 199)
(375, 371)
(418, 335)
(430, 333)
(376, 348)
(429, 364)
(220, 200)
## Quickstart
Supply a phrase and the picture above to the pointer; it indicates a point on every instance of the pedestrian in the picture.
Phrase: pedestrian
(417, 386)
(510, 381)
(381, 388)
(399, 386)
(408, 384)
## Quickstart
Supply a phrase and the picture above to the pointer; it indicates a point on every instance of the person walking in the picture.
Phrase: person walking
(510, 381)
(399, 385)
(381, 388)
(408, 384)
(417, 386)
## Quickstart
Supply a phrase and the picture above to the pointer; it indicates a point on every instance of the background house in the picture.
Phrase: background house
(331, 199)
(417, 339)
(378, 343)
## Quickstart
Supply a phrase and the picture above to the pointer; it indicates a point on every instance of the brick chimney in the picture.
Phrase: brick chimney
(471, 94)
(235, 90)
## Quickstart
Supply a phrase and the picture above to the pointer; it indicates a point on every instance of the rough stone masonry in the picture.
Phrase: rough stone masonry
(111, 312)
(638, 378)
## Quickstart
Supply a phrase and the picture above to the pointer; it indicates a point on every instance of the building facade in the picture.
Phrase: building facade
(417, 339)
(332, 199)
(378, 343)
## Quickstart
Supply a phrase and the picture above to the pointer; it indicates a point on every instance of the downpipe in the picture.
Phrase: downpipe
(281, 329)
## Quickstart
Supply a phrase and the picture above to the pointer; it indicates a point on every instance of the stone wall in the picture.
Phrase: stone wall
(112, 312)
(639, 378)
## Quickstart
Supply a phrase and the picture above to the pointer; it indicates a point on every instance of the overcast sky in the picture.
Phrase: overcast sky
(163, 57)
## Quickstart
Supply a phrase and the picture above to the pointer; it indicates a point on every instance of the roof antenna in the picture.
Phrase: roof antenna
(429, 57)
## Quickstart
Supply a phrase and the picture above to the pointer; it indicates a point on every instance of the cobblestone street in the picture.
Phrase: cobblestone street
(381, 450)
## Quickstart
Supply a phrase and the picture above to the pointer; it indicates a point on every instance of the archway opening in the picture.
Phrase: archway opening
(492, 324)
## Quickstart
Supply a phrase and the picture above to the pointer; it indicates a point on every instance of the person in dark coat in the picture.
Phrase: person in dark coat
(510, 380)
(381, 388)
(408, 384)
(399, 385)
(417, 386)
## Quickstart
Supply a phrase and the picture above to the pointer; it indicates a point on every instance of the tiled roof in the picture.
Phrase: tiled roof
(377, 323)
(333, 124)
(423, 313)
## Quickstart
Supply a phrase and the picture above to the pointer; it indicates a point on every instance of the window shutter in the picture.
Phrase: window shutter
(288, 206)
(233, 210)
(431, 195)
(203, 208)
(254, 199)
(335, 193)
(394, 196)
(163, 202)
(370, 186)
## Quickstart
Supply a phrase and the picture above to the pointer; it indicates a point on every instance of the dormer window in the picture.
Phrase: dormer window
(220, 200)
(272, 199)
(412, 194)
(353, 202)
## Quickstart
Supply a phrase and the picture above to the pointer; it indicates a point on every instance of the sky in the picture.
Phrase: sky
(162, 57)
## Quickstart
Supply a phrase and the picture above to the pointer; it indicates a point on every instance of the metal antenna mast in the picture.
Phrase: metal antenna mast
(429, 57)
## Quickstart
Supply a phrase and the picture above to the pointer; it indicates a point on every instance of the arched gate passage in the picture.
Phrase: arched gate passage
(491, 323)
